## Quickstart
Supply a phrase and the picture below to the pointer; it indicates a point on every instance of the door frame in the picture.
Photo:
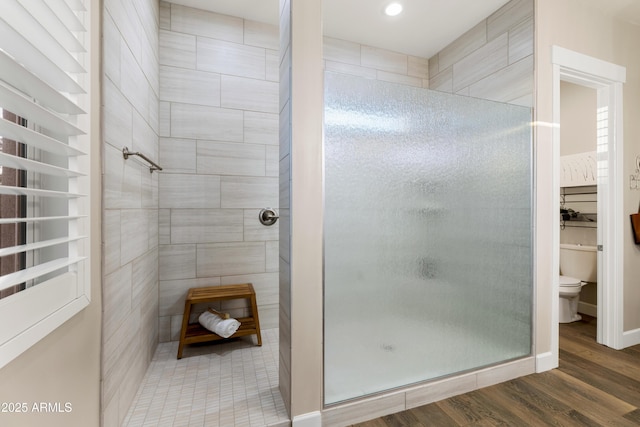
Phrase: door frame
(607, 79)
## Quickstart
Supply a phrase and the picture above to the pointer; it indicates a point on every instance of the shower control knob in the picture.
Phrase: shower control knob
(268, 216)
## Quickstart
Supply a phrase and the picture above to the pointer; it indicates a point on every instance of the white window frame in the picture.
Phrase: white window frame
(28, 316)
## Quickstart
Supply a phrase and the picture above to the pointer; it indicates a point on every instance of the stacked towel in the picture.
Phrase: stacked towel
(223, 327)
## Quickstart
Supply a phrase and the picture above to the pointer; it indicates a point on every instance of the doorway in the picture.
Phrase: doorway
(607, 79)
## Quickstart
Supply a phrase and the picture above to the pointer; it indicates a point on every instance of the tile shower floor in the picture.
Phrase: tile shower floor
(224, 384)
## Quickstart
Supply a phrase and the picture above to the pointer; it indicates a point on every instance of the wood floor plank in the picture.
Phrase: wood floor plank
(608, 380)
(433, 415)
(603, 356)
(589, 401)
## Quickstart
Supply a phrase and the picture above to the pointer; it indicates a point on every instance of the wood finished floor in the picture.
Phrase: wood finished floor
(594, 386)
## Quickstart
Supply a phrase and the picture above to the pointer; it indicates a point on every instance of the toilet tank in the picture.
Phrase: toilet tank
(579, 261)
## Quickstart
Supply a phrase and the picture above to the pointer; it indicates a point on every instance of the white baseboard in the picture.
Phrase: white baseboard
(545, 362)
(589, 309)
(630, 338)
(311, 419)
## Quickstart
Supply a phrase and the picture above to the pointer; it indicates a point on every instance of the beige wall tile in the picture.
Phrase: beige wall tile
(439, 390)
(521, 41)
(249, 94)
(272, 153)
(177, 49)
(336, 50)
(206, 225)
(507, 16)
(345, 415)
(111, 49)
(245, 192)
(507, 85)
(116, 299)
(189, 86)
(399, 78)
(201, 122)
(418, 67)
(487, 60)
(208, 24)
(145, 279)
(384, 60)
(261, 128)
(177, 155)
(508, 371)
(272, 255)
(165, 15)
(230, 58)
(164, 226)
(225, 259)
(177, 262)
(111, 240)
(272, 72)
(135, 234)
(254, 231)
(164, 128)
(353, 70)
(260, 34)
(433, 65)
(463, 46)
(230, 158)
(135, 87)
(442, 82)
(117, 116)
(189, 191)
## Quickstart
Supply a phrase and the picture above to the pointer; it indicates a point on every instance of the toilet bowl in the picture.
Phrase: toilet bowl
(578, 266)
(569, 297)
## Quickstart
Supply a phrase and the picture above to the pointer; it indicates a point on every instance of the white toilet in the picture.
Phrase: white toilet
(578, 265)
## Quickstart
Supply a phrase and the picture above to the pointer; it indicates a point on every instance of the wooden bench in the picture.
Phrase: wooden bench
(192, 333)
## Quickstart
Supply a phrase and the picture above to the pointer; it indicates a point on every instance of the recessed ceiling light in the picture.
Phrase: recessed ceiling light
(393, 9)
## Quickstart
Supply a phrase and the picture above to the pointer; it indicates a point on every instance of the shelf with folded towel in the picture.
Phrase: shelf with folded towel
(192, 333)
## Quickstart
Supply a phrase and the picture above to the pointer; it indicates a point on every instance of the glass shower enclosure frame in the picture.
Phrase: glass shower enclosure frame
(427, 235)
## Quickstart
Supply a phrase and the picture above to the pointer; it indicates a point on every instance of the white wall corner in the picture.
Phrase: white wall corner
(630, 338)
(546, 362)
(311, 419)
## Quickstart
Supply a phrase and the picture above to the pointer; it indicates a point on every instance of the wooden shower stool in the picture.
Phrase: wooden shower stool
(195, 333)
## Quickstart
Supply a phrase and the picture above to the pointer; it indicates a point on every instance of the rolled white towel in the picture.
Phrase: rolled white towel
(223, 327)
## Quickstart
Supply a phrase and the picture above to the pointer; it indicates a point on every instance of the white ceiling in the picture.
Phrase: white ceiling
(423, 29)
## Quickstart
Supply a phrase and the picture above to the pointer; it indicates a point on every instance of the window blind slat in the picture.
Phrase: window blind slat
(24, 23)
(65, 14)
(24, 191)
(37, 140)
(22, 79)
(16, 45)
(38, 245)
(40, 219)
(76, 5)
(22, 106)
(31, 273)
(34, 166)
(41, 11)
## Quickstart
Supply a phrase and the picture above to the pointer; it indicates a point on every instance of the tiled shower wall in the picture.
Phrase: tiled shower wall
(284, 338)
(219, 147)
(493, 60)
(374, 63)
(130, 201)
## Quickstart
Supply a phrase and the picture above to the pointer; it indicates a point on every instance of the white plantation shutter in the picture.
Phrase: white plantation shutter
(44, 81)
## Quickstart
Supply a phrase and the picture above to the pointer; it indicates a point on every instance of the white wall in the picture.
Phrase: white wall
(574, 25)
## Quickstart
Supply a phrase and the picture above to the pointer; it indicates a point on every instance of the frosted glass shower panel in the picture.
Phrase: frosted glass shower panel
(427, 235)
